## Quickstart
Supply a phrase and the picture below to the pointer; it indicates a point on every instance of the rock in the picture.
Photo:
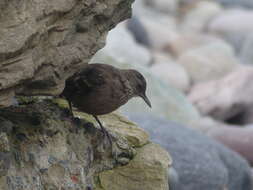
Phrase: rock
(237, 139)
(47, 150)
(197, 18)
(160, 29)
(245, 53)
(171, 73)
(148, 169)
(222, 99)
(136, 136)
(208, 62)
(236, 3)
(166, 101)
(233, 25)
(44, 42)
(252, 173)
(188, 41)
(118, 43)
(138, 31)
(163, 6)
(201, 163)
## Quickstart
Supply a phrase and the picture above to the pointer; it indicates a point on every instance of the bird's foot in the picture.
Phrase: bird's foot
(77, 121)
(77, 124)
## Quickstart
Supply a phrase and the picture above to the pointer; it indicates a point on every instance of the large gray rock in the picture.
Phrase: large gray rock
(41, 147)
(227, 98)
(239, 139)
(163, 6)
(121, 45)
(44, 42)
(236, 3)
(138, 31)
(160, 28)
(201, 163)
(210, 61)
(233, 25)
(189, 40)
(246, 54)
(197, 18)
(170, 72)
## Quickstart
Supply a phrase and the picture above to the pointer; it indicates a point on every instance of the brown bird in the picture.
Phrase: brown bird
(100, 89)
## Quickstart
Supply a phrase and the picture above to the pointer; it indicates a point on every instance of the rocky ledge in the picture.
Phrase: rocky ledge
(44, 42)
(41, 147)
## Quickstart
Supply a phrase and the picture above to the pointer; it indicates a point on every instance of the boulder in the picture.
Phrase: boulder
(208, 62)
(233, 25)
(163, 6)
(121, 45)
(41, 147)
(245, 54)
(239, 139)
(198, 17)
(138, 31)
(149, 169)
(160, 28)
(200, 162)
(188, 41)
(170, 72)
(223, 99)
(44, 42)
(236, 3)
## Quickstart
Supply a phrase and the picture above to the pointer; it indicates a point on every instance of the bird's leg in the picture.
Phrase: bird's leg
(70, 108)
(76, 120)
(105, 132)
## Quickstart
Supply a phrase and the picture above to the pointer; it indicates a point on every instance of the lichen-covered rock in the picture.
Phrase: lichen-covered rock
(149, 169)
(41, 147)
(43, 42)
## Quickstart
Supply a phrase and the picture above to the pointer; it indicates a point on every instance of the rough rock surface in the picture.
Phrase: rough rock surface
(148, 169)
(43, 42)
(42, 148)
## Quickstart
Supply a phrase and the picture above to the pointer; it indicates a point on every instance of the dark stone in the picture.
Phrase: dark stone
(21, 137)
(6, 126)
(139, 32)
(5, 160)
(201, 163)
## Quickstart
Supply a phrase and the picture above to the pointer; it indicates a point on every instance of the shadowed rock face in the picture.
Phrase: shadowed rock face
(42, 148)
(43, 42)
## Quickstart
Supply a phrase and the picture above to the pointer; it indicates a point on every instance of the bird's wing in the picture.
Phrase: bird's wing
(89, 78)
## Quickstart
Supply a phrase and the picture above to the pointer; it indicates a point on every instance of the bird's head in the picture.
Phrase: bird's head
(139, 85)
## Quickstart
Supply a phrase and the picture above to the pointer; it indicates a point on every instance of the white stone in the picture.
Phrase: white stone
(208, 62)
(196, 19)
(121, 45)
(171, 73)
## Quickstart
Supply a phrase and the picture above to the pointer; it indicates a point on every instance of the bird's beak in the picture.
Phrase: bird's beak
(145, 98)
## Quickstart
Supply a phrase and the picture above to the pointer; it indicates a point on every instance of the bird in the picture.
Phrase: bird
(99, 89)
